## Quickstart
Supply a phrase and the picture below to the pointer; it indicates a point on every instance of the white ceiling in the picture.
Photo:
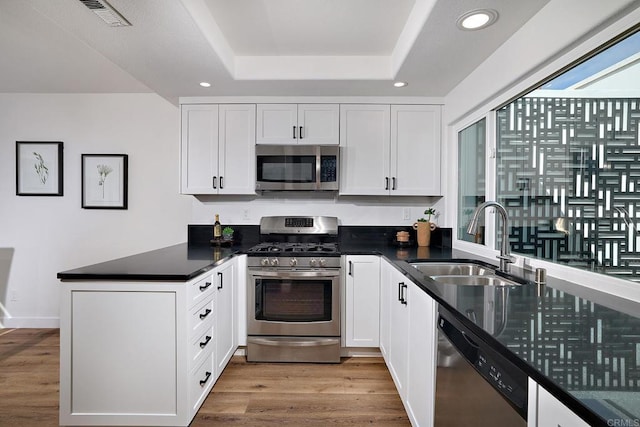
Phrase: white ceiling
(249, 47)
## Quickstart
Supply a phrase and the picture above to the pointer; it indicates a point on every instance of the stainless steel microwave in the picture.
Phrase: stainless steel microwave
(297, 167)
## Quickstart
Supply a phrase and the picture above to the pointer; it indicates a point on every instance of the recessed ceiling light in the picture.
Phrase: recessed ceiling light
(477, 19)
(400, 84)
(205, 84)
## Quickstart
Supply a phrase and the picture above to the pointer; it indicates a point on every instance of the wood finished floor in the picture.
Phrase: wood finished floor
(357, 392)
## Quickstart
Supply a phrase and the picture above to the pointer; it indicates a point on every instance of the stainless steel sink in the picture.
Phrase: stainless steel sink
(451, 269)
(484, 280)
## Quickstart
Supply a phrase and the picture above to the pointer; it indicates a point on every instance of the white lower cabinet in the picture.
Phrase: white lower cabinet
(361, 323)
(226, 318)
(547, 411)
(408, 342)
(144, 353)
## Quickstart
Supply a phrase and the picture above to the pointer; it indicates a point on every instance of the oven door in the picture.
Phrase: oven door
(293, 303)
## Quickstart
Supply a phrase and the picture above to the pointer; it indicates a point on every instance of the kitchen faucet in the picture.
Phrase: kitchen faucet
(505, 250)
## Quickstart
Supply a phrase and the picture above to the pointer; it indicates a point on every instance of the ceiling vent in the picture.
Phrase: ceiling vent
(106, 12)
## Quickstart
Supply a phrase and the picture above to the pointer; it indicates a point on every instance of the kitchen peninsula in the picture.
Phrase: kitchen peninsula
(136, 325)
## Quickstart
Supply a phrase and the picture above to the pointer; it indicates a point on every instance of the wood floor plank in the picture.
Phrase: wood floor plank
(356, 392)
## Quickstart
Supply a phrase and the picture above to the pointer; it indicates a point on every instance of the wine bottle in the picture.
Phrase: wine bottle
(217, 228)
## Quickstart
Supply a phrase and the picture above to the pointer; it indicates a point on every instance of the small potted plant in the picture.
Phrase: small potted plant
(227, 233)
(424, 227)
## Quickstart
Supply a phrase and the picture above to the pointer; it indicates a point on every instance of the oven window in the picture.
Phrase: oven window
(282, 300)
(286, 168)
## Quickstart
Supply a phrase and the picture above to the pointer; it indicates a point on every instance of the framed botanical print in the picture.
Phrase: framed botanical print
(39, 168)
(104, 181)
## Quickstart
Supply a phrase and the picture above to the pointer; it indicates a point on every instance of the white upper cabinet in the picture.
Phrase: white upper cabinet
(365, 146)
(390, 150)
(284, 124)
(218, 149)
(415, 150)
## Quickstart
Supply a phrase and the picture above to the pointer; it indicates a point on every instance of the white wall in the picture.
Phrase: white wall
(40, 236)
(350, 211)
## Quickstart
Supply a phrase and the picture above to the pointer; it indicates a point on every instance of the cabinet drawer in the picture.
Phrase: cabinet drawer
(200, 318)
(201, 380)
(201, 347)
(200, 290)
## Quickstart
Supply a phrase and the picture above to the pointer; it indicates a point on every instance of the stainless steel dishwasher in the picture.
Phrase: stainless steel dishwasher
(475, 385)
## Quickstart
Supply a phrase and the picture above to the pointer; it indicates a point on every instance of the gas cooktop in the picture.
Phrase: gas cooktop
(294, 249)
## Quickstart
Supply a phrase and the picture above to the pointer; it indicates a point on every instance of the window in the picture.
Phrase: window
(471, 183)
(568, 165)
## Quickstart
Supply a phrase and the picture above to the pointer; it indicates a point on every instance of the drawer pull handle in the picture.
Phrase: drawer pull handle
(206, 285)
(205, 314)
(205, 342)
(206, 378)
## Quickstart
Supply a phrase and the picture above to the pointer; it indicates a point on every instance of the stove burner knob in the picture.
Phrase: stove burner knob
(293, 262)
(313, 262)
(323, 262)
(274, 262)
(264, 262)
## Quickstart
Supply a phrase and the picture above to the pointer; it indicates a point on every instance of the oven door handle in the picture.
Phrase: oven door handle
(293, 343)
(295, 274)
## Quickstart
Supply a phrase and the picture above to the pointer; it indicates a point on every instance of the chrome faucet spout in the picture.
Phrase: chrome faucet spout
(505, 249)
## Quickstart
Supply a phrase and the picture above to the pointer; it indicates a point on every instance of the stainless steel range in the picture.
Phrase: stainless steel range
(293, 295)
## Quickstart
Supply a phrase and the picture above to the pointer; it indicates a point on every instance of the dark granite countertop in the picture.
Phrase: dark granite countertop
(175, 263)
(580, 344)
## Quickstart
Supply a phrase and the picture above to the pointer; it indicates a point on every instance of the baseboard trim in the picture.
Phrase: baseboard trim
(30, 322)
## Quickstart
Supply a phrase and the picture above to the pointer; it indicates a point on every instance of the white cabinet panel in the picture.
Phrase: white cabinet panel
(218, 149)
(105, 378)
(290, 124)
(319, 124)
(277, 124)
(362, 301)
(415, 150)
(237, 149)
(199, 148)
(390, 150)
(364, 156)
(226, 319)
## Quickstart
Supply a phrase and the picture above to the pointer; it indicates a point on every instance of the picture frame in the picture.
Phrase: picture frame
(105, 181)
(39, 168)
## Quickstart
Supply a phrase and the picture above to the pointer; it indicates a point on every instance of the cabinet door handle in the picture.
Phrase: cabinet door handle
(404, 296)
(215, 182)
(350, 268)
(400, 291)
(204, 288)
(393, 183)
(220, 277)
(206, 378)
(205, 314)
(221, 183)
(386, 183)
(204, 343)
(294, 132)
(300, 132)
